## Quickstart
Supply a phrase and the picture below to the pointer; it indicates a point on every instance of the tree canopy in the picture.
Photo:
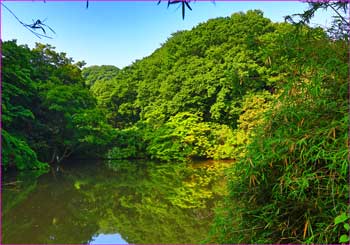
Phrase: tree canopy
(46, 107)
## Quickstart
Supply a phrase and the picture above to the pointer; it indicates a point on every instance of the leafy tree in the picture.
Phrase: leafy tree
(44, 102)
(18, 93)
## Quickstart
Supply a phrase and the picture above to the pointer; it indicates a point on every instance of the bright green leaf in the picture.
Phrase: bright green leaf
(344, 238)
(340, 218)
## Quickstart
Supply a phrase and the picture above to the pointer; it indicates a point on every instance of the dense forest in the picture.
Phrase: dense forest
(270, 96)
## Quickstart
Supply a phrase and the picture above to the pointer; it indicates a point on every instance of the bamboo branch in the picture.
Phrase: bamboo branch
(342, 17)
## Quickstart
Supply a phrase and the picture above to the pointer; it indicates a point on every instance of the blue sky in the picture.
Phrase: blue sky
(119, 32)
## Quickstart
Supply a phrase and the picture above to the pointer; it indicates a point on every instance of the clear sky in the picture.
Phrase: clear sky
(119, 32)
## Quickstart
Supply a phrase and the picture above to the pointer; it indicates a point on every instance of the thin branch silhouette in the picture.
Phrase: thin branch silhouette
(185, 4)
(36, 25)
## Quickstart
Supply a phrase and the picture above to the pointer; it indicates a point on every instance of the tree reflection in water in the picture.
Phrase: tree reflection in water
(138, 202)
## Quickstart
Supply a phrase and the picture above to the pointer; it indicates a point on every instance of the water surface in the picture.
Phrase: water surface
(127, 202)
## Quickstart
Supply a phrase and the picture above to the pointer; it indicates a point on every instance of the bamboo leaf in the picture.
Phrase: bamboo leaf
(344, 238)
(340, 218)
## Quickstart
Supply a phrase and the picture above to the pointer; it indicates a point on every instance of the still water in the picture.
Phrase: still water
(115, 202)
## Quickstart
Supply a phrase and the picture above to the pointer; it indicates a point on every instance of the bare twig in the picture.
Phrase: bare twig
(12, 183)
(254, 228)
(31, 27)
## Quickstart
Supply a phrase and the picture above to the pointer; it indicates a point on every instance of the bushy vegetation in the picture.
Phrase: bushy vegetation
(292, 180)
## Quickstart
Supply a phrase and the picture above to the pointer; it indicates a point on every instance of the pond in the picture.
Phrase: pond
(115, 202)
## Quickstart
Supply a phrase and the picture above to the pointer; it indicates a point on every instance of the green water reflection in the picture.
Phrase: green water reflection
(127, 202)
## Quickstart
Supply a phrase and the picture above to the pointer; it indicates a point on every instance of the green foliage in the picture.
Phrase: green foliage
(16, 152)
(343, 220)
(94, 135)
(128, 144)
(116, 96)
(292, 179)
(18, 91)
(194, 71)
(185, 136)
(188, 93)
(93, 74)
(47, 112)
(174, 141)
(254, 107)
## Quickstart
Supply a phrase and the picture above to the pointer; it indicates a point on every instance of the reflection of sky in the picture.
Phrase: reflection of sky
(108, 239)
